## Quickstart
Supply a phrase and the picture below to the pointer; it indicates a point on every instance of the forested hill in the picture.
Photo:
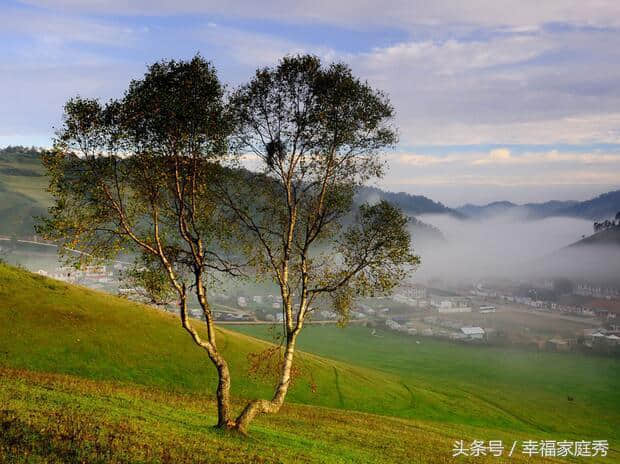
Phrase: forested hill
(411, 204)
(603, 206)
(23, 187)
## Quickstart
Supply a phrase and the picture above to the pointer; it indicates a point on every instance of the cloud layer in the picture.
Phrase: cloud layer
(535, 92)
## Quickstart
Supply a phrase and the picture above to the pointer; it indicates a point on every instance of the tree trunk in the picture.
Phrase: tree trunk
(256, 407)
(223, 373)
(223, 393)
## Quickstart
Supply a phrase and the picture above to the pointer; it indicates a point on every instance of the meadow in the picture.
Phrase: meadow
(479, 385)
(88, 377)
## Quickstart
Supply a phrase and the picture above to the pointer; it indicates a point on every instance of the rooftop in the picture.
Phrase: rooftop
(472, 330)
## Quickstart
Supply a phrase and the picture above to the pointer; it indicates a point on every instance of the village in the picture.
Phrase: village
(495, 317)
(547, 315)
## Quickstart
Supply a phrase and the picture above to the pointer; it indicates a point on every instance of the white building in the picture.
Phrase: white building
(396, 326)
(451, 304)
(413, 291)
(473, 333)
(613, 339)
(446, 305)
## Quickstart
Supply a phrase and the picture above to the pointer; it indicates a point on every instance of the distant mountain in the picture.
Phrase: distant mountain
(602, 207)
(423, 234)
(411, 204)
(492, 209)
(594, 259)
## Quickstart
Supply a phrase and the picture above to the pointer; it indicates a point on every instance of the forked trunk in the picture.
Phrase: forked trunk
(255, 407)
(223, 373)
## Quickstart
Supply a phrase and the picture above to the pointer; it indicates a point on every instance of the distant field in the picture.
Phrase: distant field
(516, 318)
(125, 379)
(480, 385)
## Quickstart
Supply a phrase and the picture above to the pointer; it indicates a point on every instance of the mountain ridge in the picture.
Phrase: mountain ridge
(603, 206)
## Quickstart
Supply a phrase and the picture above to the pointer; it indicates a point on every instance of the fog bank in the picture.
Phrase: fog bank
(510, 246)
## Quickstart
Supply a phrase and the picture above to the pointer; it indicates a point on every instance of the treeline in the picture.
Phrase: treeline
(599, 226)
(30, 152)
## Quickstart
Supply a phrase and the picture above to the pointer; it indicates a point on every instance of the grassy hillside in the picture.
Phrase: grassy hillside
(94, 378)
(22, 188)
(63, 419)
(49, 326)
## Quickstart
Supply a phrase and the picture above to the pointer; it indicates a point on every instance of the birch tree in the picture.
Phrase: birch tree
(317, 133)
(132, 176)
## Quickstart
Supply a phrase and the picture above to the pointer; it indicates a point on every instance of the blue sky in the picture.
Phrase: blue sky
(516, 100)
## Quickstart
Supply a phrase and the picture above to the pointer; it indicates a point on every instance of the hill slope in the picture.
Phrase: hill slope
(604, 206)
(594, 259)
(49, 326)
(609, 236)
(134, 374)
(22, 188)
(411, 204)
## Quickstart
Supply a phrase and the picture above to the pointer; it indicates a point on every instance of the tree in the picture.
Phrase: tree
(133, 176)
(317, 133)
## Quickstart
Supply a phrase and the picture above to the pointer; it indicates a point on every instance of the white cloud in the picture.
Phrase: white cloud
(471, 72)
(584, 129)
(501, 90)
(522, 15)
(57, 29)
(253, 50)
(573, 177)
(461, 177)
(413, 159)
(504, 156)
(453, 57)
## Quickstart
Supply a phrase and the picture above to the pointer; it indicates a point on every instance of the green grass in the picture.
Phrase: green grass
(54, 418)
(23, 191)
(49, 326)
(126, 370)
(521, 390)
